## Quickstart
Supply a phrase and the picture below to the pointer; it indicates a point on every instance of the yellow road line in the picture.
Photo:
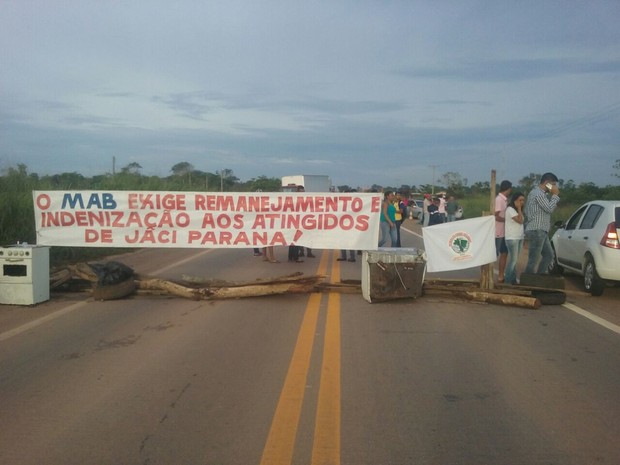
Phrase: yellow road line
(326, 447)
(281, 440)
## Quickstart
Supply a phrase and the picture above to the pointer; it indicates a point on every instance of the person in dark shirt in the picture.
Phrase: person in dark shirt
(434, 217)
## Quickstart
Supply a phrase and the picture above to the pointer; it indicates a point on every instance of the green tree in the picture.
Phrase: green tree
(426, 188)
(264, 184)
(405, 190)
(589, 190)
(455, 183)
(182, 170)
(227, 179)
(65, 181)
(528, 182)
(480, 187)
(132, 168)
(16, 207)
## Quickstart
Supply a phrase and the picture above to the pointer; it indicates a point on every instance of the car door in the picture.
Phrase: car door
(586, 232)
(564, 241)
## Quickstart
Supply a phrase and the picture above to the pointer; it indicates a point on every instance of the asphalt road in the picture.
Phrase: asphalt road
(306, 379)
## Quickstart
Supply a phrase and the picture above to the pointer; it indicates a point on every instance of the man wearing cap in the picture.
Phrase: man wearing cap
(540, 204)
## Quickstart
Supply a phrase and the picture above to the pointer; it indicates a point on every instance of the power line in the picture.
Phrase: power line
(587, 120)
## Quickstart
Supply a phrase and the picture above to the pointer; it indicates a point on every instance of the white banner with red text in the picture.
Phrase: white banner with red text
(460, 244)
(207, 220)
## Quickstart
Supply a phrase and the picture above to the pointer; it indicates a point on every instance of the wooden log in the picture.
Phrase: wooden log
(533, 288)
(207, 282)
(488, 297)
(60, 277)
(211, 283)
(341, 287)
(504, 299)
(261, 290)
(457, 288)
(298, 283)
(83, 271)
(154, 284)
(448, 282)
(254, 290)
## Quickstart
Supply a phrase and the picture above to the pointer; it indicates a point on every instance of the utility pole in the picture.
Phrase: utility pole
(433, 183)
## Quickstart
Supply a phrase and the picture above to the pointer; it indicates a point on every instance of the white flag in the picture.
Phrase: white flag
(460, 244)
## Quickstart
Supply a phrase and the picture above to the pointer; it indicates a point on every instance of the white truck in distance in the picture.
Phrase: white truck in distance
(311, 183)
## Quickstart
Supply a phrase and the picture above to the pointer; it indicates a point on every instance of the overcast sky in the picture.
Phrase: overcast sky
(369, 92)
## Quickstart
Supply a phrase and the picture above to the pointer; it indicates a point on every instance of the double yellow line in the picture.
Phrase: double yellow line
(281, 440)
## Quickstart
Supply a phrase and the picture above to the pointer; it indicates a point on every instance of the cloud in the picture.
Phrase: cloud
(510, 70)
(367, 92)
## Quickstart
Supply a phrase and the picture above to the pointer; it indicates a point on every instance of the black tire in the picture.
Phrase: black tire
(591, 280)
(547, 281)
(550, 297)
(114, 291)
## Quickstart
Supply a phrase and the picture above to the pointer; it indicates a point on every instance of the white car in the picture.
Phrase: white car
(588, 244)
(417, 208)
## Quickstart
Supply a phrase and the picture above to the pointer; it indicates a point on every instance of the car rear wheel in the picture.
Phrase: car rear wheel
(591, 280)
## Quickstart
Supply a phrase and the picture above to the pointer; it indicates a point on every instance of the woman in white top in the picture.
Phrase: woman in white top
(514, 235)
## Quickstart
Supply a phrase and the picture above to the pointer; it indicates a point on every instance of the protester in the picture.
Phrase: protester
(268, 255)
(501, 202)
(442, 207)
(306, 251)
(352, 253)
(343, 256)
(451, 208)
(295, 252)
(540, 204)
(434, 216)
(388, 220)
(400, 215)
(514, 235)
(425, 204)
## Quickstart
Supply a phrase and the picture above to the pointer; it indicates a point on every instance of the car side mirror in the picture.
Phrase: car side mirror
(559, 224)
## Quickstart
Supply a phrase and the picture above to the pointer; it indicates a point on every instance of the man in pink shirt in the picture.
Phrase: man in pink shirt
(501, 202)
